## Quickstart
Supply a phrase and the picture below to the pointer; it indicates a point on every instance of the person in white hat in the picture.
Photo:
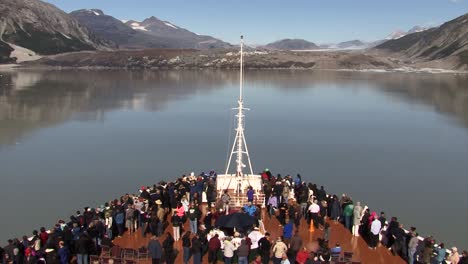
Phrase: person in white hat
(254, 236)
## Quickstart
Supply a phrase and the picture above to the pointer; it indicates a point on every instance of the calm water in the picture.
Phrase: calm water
(398, 142)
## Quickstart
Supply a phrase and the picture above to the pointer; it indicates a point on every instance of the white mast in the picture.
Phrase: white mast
(240, 138)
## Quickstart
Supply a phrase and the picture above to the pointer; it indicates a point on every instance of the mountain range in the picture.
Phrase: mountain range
(301, 44)
(32, 28)
(451, 38)
(150, 33)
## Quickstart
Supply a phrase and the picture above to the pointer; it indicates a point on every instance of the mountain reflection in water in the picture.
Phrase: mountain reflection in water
(30, 100)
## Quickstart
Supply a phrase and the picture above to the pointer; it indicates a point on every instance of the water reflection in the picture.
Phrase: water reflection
(30, 100)
(447, 93)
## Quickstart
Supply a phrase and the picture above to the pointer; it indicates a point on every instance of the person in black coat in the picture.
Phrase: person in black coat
(186, 245)
(83, 247)
(264, 245)
(196, 250)
(168, 247)
(392, 226)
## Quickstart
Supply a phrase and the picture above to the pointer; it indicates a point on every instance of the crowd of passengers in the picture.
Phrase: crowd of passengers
(161, 211)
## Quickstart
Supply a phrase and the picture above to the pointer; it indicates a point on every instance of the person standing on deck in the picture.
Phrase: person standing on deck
(250, 194)
(160, 212)
(176, 223)
(243, 252)
(214, 245)
(302, 199)
(264, 246)
(357, 214)
(193, 214)
(441, 253)
(83, 247)
(412, 247)
(185, 202)
(278, 190)
(186, 245)
(374, 233)
(321, 194)
(295, 245)
(272, 205)
(314, 210)
(382, 219)
(335, 209)
(155, 250)
(225, 198)
(119, 221)
(129, 214)
(196, 249)
(63, 253)
(282, 213)
(286, 191)
(168, 247)
(399, 246)
(392, 226)
(279, 249)
(287, 232)
(348, 215)
(254, 236)
(229, 249)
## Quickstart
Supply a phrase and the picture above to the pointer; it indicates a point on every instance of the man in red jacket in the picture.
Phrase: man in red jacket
(214, 245)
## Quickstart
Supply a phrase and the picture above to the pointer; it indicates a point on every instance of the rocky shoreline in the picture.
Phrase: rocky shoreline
(229, 59)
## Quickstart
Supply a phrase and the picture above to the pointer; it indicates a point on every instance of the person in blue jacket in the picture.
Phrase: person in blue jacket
(250, 194)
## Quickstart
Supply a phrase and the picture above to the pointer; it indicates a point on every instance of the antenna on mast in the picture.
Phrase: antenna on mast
(239, 141)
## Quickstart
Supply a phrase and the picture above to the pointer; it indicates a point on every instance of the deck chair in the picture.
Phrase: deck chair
(105, 260)
(347, 256)
(116, 252)
(105, 251)
(335, 257)
(129, 253)
(93, 259)
(115, 261)
(143, 253)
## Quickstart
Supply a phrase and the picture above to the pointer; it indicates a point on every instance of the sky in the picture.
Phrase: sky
(264, 21)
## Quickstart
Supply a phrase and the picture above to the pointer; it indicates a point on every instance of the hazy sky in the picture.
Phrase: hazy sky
(263, 21)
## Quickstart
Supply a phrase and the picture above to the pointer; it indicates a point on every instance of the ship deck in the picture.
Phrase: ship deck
(338, 234)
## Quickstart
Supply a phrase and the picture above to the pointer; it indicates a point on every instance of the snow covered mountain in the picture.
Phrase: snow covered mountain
(110, 28)
(43, 28)
(401, 33)
(450, 39)
(175, 36)
(150, 33)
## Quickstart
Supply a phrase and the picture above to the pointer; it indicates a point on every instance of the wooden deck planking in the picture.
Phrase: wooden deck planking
(338, 234)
